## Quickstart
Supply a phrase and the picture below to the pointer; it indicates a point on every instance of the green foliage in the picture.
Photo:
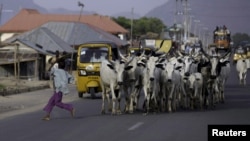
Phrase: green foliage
(142, 26)
(239, 37)
(2, 86)
(123, 21)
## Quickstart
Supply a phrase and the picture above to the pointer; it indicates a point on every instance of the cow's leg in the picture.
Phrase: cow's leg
(211, 95)
(244, 75)
(214, 94)
(178, 98)
(191, 99)
(127, 99)
(217, 91)
(124, 90)
(137, 97)
(118, 97)
(154, 97)
(170, 97)
(166, 98)
(200, 95)
(241, 78)
(163, 98)
(196, 96)
(127, 104)
(132, 99)
(113, 99)
(222, 91)
(108, 94)
(103, 100)
(137, 90)
(146, 99)
(174, 98)
(184, 95)
(222, 95)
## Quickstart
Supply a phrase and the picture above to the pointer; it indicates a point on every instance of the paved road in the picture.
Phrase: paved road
(25, 122)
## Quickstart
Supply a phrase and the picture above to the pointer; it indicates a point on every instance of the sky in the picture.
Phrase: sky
(104, 7)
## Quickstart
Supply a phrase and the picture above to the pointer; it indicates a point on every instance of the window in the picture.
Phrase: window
(93, 54)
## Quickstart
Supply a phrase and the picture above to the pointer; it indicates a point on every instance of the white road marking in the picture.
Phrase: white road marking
(137, 125)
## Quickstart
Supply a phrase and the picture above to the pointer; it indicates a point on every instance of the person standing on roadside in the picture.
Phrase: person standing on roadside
(60, 81)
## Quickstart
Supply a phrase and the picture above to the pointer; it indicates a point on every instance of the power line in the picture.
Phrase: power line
(222, 16)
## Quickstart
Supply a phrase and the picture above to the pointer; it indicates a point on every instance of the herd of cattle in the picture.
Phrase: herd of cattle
(168, 82)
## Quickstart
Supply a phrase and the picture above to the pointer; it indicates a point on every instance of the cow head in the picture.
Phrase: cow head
(214, 61)
(151, 63)
(188, 60)
(118, 67)
(194, 81)
(130, 67)
(170, 67)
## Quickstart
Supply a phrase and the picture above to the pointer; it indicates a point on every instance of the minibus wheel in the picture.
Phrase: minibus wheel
(80, 94)
(92, 92)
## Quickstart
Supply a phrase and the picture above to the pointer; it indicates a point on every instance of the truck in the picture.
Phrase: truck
(222, 38)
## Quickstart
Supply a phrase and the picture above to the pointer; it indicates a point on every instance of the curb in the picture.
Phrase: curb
(5, 92)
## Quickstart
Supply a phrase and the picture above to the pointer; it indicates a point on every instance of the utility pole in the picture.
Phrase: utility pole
(175, 20)
(131, 30)
(175, 14)
(196, 24)
(17, 64)
(185, 21)
(80, 5)
(74, 46)
(189, 25)
(1, 8)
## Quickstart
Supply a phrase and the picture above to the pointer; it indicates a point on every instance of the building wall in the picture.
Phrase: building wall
(5, 36)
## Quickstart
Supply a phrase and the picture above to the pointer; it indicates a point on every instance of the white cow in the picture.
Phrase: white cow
(118, 75)
(148, 79)
(136, 90)
(128, 80)
(174, 85)
(241, 66)
(196, 88)
(111, 73)
(159, 92)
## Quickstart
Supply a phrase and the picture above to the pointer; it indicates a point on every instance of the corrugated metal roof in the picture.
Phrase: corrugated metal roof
(34, 46)
(61, 36)
(75, 33)
(44, 38)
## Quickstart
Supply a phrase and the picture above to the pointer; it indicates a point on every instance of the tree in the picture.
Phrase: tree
(239, 37)
(123, 21)
(143, 26)
(146, 25)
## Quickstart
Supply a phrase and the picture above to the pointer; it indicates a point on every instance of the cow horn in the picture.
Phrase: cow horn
(163, 55)
(122, 57)
(128, 62)
(180, 53)
(111, 62)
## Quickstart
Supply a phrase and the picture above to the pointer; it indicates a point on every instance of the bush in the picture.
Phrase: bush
(2, 86)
